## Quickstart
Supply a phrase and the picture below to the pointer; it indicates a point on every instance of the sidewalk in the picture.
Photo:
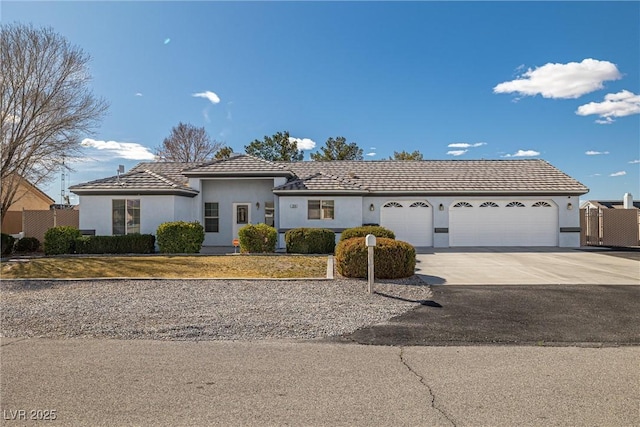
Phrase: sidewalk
(112, 382)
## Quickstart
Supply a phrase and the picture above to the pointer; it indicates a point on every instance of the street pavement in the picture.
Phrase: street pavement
(89, 382)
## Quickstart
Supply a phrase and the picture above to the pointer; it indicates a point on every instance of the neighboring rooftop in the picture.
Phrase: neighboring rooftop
(608, 204)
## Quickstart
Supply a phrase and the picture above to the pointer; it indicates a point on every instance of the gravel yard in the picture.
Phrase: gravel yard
(200, 309)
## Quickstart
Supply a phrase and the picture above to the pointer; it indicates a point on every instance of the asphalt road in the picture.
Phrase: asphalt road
(592, 315)
(91, 382)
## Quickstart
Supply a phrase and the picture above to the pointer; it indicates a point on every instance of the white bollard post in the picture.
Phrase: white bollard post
(370, 242)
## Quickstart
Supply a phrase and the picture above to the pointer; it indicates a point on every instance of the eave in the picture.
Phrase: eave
(263, 174)
(134, 191)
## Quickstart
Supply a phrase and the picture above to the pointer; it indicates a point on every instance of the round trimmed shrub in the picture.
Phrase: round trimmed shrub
(27, 244)
(258, 238)
(180, 237)
(7, 243)
(310, 241)
(393, 259)
(376, 230)
(60, 240)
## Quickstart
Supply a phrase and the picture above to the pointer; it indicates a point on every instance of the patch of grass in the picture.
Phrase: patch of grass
(232, 266)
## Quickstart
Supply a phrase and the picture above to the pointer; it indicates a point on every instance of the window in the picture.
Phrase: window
(419, 205)
(320, 209)
(515, 205)
(268, 213)
(463, 205)
(392, 205)
(242, 214)
(125, 216)
(489, 205)
(541, 205)
(211, 217)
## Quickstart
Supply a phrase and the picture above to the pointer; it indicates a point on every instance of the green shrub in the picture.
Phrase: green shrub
(393, 259)
(310, 241)
(7, 244)
(60, 240)
(124, 244)
(257, 238)
(180, 237)
(27, 244)
(376, 230)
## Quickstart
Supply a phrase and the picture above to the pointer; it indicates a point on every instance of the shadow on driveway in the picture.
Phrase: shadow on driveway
(593, 315)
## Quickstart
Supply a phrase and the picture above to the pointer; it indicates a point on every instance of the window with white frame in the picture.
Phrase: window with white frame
(125, 216)
(211, 217)
(320, 209)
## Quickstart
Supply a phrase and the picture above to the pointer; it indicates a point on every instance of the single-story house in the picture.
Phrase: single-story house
(438, 203)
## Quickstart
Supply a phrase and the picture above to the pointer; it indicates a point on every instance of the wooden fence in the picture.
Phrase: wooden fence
(36, 223)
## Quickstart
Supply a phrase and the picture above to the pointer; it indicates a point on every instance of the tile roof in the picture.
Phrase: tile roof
(323, 182)
(240, 165)
(446, 176)
(139, 181)
(383, 176)
(172, 170)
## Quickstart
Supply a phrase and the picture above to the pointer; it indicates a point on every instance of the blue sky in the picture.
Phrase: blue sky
(454, 80)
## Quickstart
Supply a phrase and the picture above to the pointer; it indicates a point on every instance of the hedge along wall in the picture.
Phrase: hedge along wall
(310, 241)
(125, 244)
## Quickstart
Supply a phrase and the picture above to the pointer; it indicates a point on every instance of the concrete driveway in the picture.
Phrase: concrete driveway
(527, 266)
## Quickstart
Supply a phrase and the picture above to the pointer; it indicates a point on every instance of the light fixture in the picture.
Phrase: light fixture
(569, 206)
(257, 205)
(441, 207)
(371, 207)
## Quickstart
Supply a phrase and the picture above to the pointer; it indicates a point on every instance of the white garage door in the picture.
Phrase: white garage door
(503, 223)
(410, 220)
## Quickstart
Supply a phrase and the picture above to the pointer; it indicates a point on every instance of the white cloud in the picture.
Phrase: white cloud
(623, 103)
(466, 145)
(138, 94)
(595, 174)
(621, 173)
(570, 80)
(595, 153)
(523, 153)
(124, 150)
(633, 162)
(370, 154)
(456, 152)
(303, 143)
(208, 95)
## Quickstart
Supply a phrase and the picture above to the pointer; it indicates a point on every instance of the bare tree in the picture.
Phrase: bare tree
(187, 143)
(46, 106)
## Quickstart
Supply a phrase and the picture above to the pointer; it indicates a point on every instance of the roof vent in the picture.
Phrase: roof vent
(353, 175)
(627, 201)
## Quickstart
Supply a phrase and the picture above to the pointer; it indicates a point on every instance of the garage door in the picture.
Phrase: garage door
(503, 223)
(409, 220)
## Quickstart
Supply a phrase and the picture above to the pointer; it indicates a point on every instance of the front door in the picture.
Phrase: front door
(241, 217)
